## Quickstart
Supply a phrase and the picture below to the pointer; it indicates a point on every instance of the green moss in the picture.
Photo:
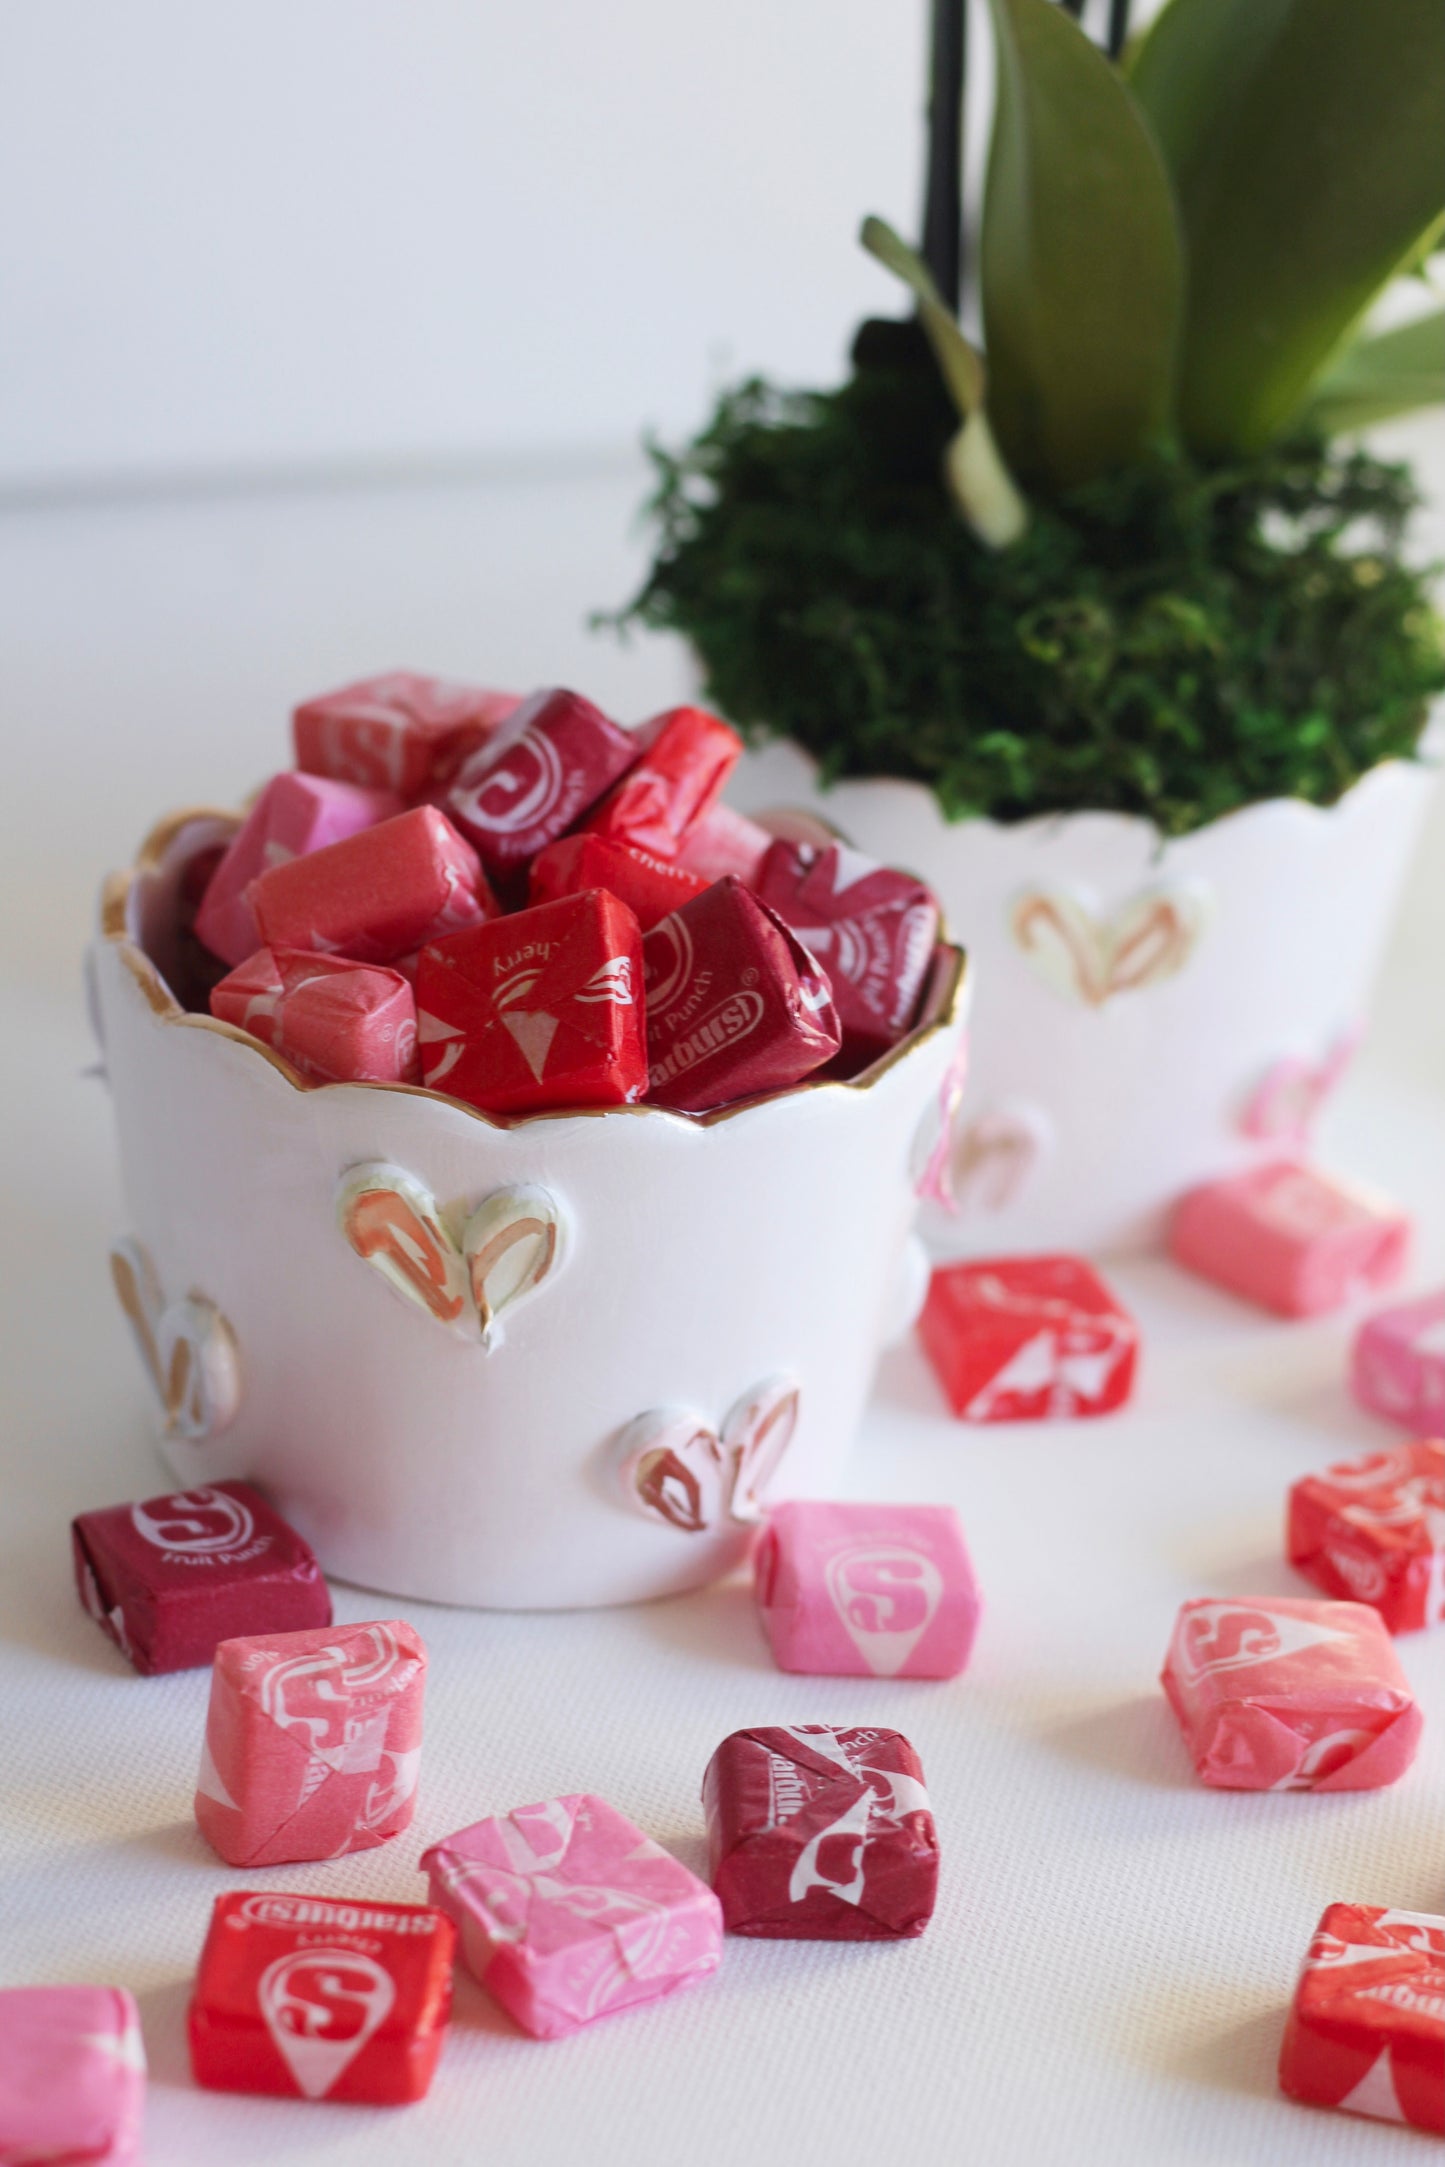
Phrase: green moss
(1173, 640)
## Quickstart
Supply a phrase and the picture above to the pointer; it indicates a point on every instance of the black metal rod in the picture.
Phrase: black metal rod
(943, 185)
(1118, 27)
(1075, 8)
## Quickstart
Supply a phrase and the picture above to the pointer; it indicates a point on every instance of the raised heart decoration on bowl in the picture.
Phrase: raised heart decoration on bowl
(1288, 1100)
(1089, 957)
(509, 1246)
(678, 1469)
(996, 1156)
(188, 1348)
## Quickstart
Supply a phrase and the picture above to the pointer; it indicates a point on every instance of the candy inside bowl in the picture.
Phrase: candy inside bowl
(549, 1350)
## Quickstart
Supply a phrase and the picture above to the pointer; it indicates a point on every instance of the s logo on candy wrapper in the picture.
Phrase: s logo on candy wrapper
(1238, 1636)
(195, 1523)
(886, 1596)
(311, 1696)
(678, 1469)
(321, 2007)
(512, 788)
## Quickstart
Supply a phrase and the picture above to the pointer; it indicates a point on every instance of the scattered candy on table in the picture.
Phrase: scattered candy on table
(294, 815)
(817, 1833)
(735, 1003)
(72, 2076)
(1366, 2031)
(171, 1578)
(880, 1591)
(1373, 1531)
(321, 1997)
(1290, 1238)
(535, 778)
(1282, 1695)
(1028, 1339)
(313, 1743)
(1398, 1365)
(872, 929)
(401, 731)
(567, 1912)
(337, 1022)
(541, 1009)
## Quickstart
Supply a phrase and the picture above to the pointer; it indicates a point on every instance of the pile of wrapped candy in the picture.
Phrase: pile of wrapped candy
(527, 907)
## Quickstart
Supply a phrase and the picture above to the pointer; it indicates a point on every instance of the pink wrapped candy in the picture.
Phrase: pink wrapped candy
(1281, 1695)
(1291, 1239)
(1366, 2033)
(294, 815)
(568, 1912)
(873, 930)
(1398, 1366)
(72, 2077)
(866, 1591)
(337, 1022)
(313, 1741)
(1373, 1530)
(378, 895)
(399, 731)
(547, 766)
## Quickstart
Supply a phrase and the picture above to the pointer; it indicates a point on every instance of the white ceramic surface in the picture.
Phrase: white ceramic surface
(1132, 997)
(698, 1264)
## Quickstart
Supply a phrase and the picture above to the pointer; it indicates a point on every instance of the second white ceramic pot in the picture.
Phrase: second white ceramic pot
(1146, 1014)
(544, 1365)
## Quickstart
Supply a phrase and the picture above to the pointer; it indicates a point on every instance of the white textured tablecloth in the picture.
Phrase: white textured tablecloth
(1106, 1976)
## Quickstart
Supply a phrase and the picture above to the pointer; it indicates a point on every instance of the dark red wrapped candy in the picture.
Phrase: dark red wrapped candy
(171, 1578)
(541, 1009)
(322, 1997)
(817, 1833)
(735, 1003)
(650, 887)
(535, 778)
(686, 757)
(873, 930)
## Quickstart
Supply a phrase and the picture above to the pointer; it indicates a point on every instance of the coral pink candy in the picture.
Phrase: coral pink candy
(866, 1591)
(72, 2076)
(294, 814)
(568, 1912)
(171, 1578)
(338, 1022)
(873, 930)
(1373, 1531)
(376, 895)
(1366, 2032)
(400, 731)
(1289, 1238)
(722, 841)
(1281, 1695)
(821, 1833)
(313, 1741)
(536, 778)
(1028, 1339)
(1398, 1366)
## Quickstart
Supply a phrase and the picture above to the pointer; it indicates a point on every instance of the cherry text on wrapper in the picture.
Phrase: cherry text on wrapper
(321, 1997)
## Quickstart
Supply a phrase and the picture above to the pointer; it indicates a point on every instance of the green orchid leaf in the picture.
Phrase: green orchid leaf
(1082, 274)
(1305, 144)
(959, 361)
(1393, 373)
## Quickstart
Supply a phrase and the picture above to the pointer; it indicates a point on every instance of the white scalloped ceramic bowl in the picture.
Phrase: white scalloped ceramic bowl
(1146, 1015)
(606, 1440)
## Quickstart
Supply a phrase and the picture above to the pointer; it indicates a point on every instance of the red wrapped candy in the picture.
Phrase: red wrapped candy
(1025, 1339)
(321, 1997)
(873, 930)
(540, 1009)
(1366, 2032)
(650, 887)
(1282, 1695)
(376, 895)
(338, 1022)
(735, 1003)
(721, 841)
(821, 1834)
(396, 732)
(1373, 1531)
(687, 756)
(171, 1578)
(531, 782)
(293, 815)
(313, 1742)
